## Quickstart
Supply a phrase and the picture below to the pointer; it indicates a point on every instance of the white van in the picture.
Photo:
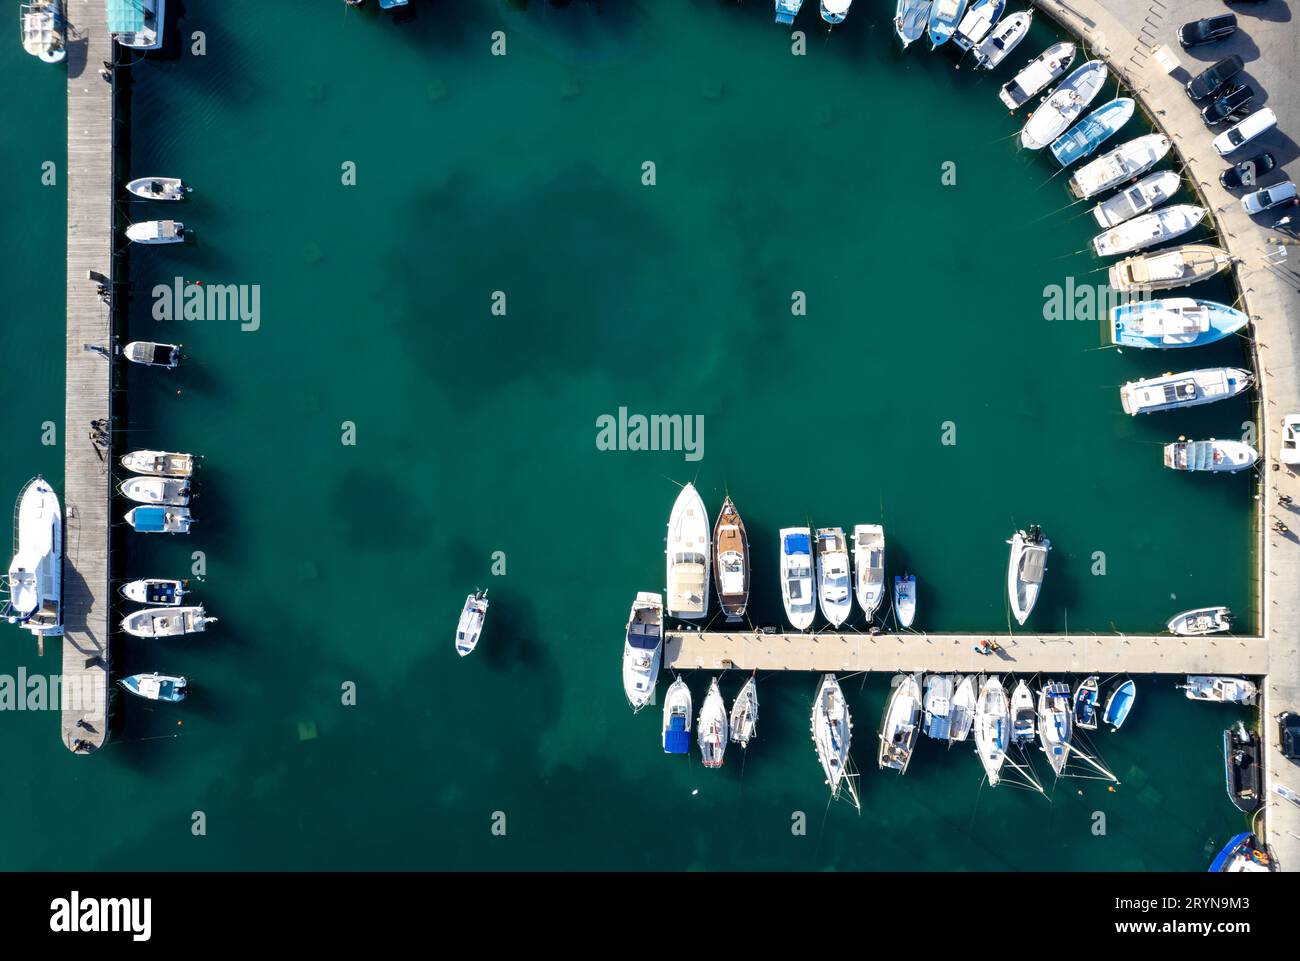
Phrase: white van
(1241, 134)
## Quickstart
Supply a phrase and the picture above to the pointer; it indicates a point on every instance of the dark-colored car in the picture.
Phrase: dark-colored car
(1248, 172)
(1290, 742)
(1211, 79)
(1225, 105)
(1208, 30)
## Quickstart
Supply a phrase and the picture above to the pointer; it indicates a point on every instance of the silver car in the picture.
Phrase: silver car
(1269, 197)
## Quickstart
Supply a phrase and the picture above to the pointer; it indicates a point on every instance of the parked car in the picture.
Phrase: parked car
(1290, 740)
(1248, 172)
(1269, 197)
(1240, 134)
(1208, 81)
(1207, 30)
(1226, 104)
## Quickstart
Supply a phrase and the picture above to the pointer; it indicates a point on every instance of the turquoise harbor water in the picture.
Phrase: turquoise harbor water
(475, 434)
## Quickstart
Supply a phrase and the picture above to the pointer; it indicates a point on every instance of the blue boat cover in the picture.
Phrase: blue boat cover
(150, 519)
(125, 16)
(676, 739)
(797, 544)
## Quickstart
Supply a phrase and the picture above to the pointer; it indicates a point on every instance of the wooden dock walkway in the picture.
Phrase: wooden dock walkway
(86, 588)
(1103, 654)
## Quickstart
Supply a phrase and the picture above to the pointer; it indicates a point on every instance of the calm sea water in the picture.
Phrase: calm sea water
(333, 565)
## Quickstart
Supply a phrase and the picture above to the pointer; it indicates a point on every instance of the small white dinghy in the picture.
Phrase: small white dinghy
(1133, 201)
(1200, 621)
(159, 463)
(155, 687)
(832, 731)
(1112, 168)
(1148, 230)
(642, 648)
(992, 728)
(901, 724)
(1004, 38)
(150, 354)
(156, 232)
(677, 718)
(1063, 107)
(470, 625)
(744, 714)
(1189, 388)
(833, 590)
(1026, 569)
(166, 621)
(172, 491)
(962, 715)
(905, 599)
(159, 188)
(158, 519)
(154, 591)
(1220, 690)
(1218, 456)
(712, 727)
(869, 566)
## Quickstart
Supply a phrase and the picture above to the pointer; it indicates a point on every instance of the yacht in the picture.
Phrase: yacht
(901, 724)
(688, 557)
(470, 625)
(833, 590)
(1219, 456)
(1086, 696)
(172, 491)
(1148, 230)
(1003, 39)
(149, 354)
(160, 520)
(938, 706)
(166, 621)
(963, 708)
(834, 11)
(156, 232)
(979, 20)
(43, 28)
(1055, 723)
(1023, 716)
(137, 24)
(158, 188)
(36, 572)
(910, 20)
(744, 714)
(154, 591)
(905, 599)
(1128, 160)
(643, 648)
(159, 463)
(1070, 98)
(1092, 131)
(155, 687)
(797, 576)
(1026, 569)
(1167, 269)
(1173, 322)
(731, 562)
(1037, 74)
(1189, 388)
(1242, 774)
(1220, 690)
(992, 728)
(869, 567)
(1139, 198)
(1201, 621)
(944, 17)
(677, 718)
(832, 730)
(1118, 704)
(787, 10)
(711, 727)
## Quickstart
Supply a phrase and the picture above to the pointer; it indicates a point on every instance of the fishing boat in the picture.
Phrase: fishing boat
(173, 491)
(711, 727)
(149, 354)
(677, 718)
(166, 621)
(1167, 269)
(1136, 199)
(938, 706)
(154, 591)
(797, 576)
(1086, 696)
(905, 599)
(159, 463)
(1023, 716)
(155, 687)
(833, 589)
(869, 566)
(1128, 160)
(42, 27)
(832, 730)
(1148, 230)
(36, 572)
(744, 714)
(1220, 456)
(992, 728)
(1201, 621)
(160, 520)
(1055, 726)
(1025, 570)
(1243, 853)
(944, 16)
(156, 232)
(158, 188)
(687, 552)
(979, 20)
(910, 19)
(834, 11)
(470, 624)
(1173, 322)
(1037, 74)
(1063, 106)
(1189, 388)
(1003, 39)
(962, 715)
(787, 10)
(1220, 690)
(1092, 131)
(137, 24)
(731, 561)
(643, 648)
(900, 725)
(1241, 771)
(1118, 704)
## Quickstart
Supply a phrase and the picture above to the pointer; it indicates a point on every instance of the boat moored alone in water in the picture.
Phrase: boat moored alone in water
(1243, 853)
(159, 463)
(901, 725)
(158, 188)
(1133, 201)
(1063, 106)
(688, 556)
(711, 727)
(869, 567)
(1092, 131)
(797, 576)
(1119, 703)
(469, 627)
(1242, 775)
(910, 20)
(155, 687)
(1128, 160)
(833, 588)
(1167, 269)
(1002, 39)
(166, 621)
(1189, 388)
(832, 731)
(156, 232)
(1217, 456)
(731, 561)
(1220, 690)
(36, 571)
(1055, 723)
(137, 24)
(677, 718)
(154, 591)
(1037, 74)
(1025, 570)
(43, 29)
(944, 17)
(1148, 230)
(160, 520)
(978, 21)
(992, 728)
(171, 491)
(787, 10)
(149, 354)
(643, 648)
(744, 714)
(1200, 621)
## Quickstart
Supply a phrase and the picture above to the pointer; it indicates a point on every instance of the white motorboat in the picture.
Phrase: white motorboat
(1133, 201)
(150, 354)
(155, 592)
(1128, 160)
(43, 29)
(1037, 74)
(155, 687)
(1055, 723)
(980, 17)
(833, 590)
(992, 728)
(869, 566)
(744, 714)
(834, 11)
(962, 714)
(36, 572)
(1167, 269)
(687, 553)
(643, 648)
(156, 232)
(1148, 230)
(1220, 690)
(158, 188)
(1200, 621)
(1220, 456)
(137, 24)
(166, 621)
(905, 599)
(159, 463)
(173, 491)
(1003, 39)
(711, 727)
(901, 725)
(157, 519)
(1189, 388)
(797, 576)
(677, 718)
(832, 731)
(938, 706)
(1024, 716)
(1026, 569)
(470, 625)
(1064, 105)
(910, 19)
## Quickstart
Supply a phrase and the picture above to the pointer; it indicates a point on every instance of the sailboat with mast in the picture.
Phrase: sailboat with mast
(1055, 723)
(744, 714)
(992, 728)
(832, 729)
(712, 725)
(901, 724)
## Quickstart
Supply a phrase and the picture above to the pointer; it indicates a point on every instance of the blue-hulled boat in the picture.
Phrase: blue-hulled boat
(834, 11)
(1119, 704)
(155, 687)
(786, 10)
(389, 4)
(944, 17)
(1242, 853)
(979, 20)
(1092, 131)
(910, 19)
(1173, 322)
